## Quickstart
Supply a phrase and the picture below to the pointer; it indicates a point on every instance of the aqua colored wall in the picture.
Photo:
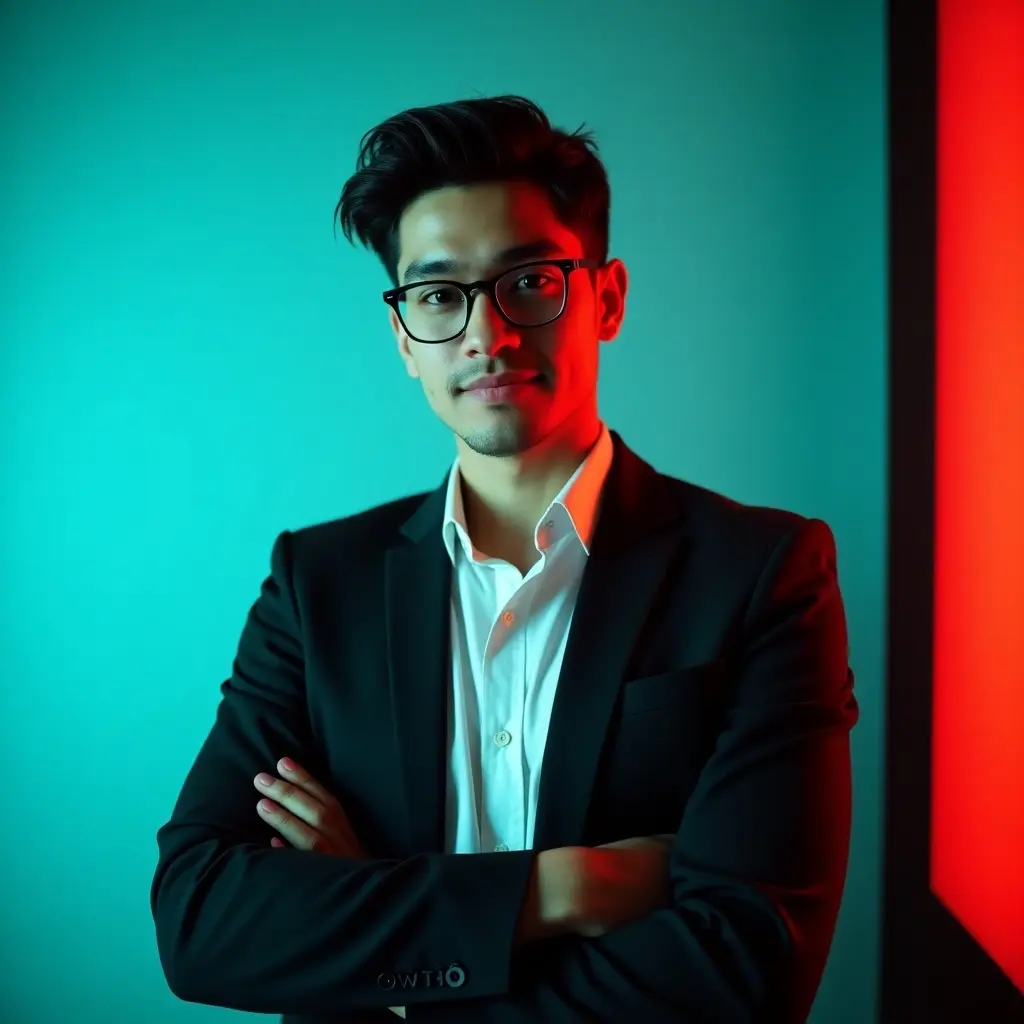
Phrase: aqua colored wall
(190, 362)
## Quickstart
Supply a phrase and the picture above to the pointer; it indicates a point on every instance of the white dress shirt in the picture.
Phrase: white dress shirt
(508, 636)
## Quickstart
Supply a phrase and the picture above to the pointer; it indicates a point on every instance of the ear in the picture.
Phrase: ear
(402, 340)
(612, 284)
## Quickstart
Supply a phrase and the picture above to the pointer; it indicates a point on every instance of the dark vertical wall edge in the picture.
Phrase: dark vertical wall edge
(912, 64)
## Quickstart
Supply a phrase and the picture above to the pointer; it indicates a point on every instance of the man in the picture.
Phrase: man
(564, 739)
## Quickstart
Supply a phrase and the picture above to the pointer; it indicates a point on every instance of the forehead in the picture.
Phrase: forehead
(472, 224)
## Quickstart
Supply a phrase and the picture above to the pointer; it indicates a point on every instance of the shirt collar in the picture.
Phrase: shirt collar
(573, 511)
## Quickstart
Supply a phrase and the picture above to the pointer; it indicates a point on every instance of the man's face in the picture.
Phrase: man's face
(475, 227)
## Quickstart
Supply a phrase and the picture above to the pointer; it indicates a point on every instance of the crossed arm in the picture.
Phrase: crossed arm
(571, 890)
(755, 872)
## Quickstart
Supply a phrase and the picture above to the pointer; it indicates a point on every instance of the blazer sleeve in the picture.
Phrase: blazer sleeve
(759, 863)
(248, 927)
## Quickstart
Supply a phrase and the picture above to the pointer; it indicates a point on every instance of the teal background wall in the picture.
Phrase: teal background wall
(190, 362)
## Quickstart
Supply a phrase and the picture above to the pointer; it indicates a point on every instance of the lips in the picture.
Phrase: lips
(501, 380)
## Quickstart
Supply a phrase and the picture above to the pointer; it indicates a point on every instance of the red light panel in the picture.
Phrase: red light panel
(977, 840)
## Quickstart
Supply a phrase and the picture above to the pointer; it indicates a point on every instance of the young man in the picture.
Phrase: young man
(564, 739)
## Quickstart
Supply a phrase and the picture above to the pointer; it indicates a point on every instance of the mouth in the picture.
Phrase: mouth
(503, 391)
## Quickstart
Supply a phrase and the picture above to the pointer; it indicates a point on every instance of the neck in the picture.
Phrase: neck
(505, 497)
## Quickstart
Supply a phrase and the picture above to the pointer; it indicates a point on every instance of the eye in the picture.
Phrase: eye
(438, 296)
(534, 281)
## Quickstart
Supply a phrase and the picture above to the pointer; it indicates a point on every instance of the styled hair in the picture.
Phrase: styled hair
(501, 138)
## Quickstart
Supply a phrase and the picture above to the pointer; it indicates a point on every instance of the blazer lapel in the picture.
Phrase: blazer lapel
(637, 538)
(418, 624)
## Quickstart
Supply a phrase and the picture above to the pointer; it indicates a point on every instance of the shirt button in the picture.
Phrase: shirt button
(508, 618)
(503, 738)
(501, 848)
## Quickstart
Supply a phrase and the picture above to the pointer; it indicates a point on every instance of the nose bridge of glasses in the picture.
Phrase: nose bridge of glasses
(486, 290)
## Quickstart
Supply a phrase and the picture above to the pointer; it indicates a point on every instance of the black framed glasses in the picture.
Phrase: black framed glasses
(528, 295)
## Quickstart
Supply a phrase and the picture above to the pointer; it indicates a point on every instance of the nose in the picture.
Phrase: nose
(487, 332)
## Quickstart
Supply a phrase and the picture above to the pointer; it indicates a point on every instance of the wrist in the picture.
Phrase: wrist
(575, 914)
(554, 900)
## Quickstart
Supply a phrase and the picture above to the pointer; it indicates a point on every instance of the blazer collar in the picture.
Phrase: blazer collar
(634, 497)
(573, 510)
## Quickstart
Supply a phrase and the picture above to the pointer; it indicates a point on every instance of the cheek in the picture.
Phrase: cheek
(575, 354)
(433, 375)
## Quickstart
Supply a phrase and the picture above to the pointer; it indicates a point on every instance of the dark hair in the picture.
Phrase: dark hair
(502, 138)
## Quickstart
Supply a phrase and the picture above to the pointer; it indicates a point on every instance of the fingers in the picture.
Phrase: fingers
(305, 813)
(292, 799)
(296, 774)
(293, 828)
(292, 811)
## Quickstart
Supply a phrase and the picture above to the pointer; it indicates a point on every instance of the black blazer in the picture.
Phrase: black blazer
(705, 691)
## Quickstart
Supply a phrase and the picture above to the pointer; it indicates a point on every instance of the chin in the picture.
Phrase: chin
(502, 440)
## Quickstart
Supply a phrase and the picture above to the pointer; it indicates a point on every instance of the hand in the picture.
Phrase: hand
(305, 813)
(573, 890)
(621, 882)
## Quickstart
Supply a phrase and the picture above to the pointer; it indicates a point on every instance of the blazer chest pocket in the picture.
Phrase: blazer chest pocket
(692, 688)
(664, 730)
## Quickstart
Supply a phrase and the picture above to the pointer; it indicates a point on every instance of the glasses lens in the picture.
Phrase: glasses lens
(532, 295)
(434, 312)
(528, 296)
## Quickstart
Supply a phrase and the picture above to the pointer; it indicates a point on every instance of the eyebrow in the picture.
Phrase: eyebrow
(424, 270)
